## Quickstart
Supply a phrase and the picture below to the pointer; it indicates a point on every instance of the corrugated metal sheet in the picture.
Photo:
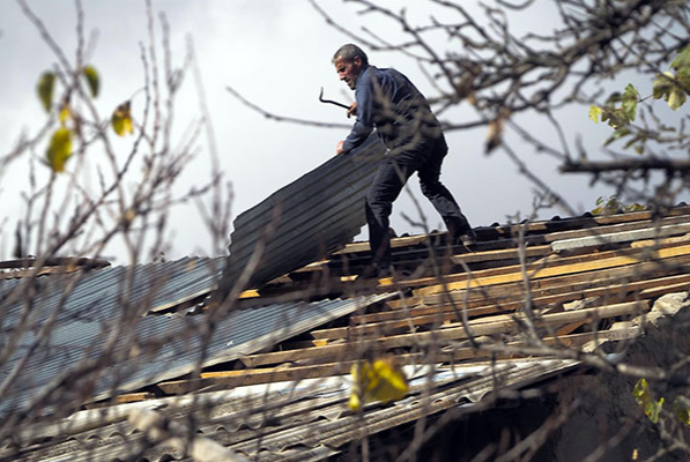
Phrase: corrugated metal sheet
(142, 287)
(318, 213)
(148, 349)
(297, 428)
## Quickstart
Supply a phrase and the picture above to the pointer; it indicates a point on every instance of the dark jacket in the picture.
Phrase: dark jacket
(387, 100)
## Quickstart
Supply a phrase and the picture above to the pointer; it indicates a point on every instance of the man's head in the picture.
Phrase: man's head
(349, 62)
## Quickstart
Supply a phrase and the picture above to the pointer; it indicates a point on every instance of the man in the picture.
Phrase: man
(387, 100)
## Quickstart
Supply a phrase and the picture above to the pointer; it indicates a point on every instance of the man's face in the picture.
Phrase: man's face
(349, 70)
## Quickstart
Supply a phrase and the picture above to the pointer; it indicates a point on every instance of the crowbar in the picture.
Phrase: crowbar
(321, 98)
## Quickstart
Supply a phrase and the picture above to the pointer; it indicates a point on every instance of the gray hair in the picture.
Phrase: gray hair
(348, 53)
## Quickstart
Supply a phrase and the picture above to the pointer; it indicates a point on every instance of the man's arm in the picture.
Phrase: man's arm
(364, 109)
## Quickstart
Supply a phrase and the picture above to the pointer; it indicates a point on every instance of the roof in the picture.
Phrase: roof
(271, 378)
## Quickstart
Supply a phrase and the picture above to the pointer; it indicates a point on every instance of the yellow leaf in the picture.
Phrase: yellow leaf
(641, 392)
(122, 119)
(594, 113)
(676, 97)
(380, 381)
(46, 85)
(64, 114)
(60, 149)
(653, 409)
(92, 79)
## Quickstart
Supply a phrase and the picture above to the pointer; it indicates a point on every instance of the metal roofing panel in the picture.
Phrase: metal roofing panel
(292, 432)
(315, 214)
(99, 295)
(152, 348)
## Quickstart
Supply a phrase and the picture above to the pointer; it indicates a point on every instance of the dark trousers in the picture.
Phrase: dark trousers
(394, 171)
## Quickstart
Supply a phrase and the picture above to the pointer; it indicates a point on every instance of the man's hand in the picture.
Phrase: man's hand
(339, 148)
(353, 110)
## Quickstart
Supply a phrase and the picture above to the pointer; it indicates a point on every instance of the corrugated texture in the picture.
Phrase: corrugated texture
(297, 429)
(149, 349)
(318, 213)
(92, 296)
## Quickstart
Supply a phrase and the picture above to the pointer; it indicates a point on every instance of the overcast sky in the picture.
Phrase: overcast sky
(277, 54)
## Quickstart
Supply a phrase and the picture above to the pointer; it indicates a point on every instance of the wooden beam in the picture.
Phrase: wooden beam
(554, 285)
(231, 379)
(437, 315)
(455, 354)
(255, 377)
(439, 336)
(455, 282)
(549, 261)
(571, 292)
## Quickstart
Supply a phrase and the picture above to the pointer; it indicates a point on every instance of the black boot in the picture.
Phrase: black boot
(460, 231)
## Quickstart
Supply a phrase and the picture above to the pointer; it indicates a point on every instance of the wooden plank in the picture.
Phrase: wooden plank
(505, 327)
(355, 332)
(546, 262)
(549, 261)
(134, 397)
(550, 286)
(344, 354)
(501, 254)
(231, 379)
(571, 292)
(569, 328)
(662, 242)
(379, 345)
(443, 314)
(456, 282)
(513, 253)
(255, 377)
(468, 258)
(554, 285)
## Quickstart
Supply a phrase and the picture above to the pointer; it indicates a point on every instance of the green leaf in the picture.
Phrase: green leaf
(682, 412)
(684, 82)
(682, 61)
(662, 85)
(92, 79)
(615, 97)
(619, 133)
(615, 117)
(46, 85)
(672, 89)
(59, 149)
(594, 114)
(122, 119)
(634, 140)
(630, 97)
